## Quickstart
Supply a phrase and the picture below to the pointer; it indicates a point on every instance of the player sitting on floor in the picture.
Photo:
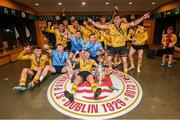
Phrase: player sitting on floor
(60, 62)
(38, 62)
(85, 74)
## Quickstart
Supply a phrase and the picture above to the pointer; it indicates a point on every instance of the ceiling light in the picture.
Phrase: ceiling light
(153, 3)
(83, 3)
(107, 3)
(59, 3)
(36, 4)
(130, 3)
(7, 30)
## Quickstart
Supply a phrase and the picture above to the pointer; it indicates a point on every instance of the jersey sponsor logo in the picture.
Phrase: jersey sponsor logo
(125, 96)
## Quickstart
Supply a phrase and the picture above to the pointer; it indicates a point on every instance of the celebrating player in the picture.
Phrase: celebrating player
(85, 74)
(118, 32)
(38, 62)
(138, 35)
(60, 62)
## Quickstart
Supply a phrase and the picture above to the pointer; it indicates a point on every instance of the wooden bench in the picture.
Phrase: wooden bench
(9, 56)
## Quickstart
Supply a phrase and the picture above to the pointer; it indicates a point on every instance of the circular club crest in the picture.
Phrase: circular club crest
(125, 96)
(58, 18)
(23, 14)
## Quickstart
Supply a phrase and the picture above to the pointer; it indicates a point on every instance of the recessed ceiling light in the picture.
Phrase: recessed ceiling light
(83, 3)
(107, 3)
(36, 4)
(153, 3)
(130, 3)
(59, 3)
(7, 30)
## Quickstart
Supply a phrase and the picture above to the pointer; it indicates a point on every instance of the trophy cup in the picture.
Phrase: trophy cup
(101, 73)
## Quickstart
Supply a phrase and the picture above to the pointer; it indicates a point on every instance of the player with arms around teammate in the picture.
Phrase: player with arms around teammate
(118, 32)
(60, 62)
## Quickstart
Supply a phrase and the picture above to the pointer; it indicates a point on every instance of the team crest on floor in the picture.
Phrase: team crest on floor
(120, 94)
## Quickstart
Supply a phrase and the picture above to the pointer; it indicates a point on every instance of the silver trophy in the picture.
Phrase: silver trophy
(101, 73)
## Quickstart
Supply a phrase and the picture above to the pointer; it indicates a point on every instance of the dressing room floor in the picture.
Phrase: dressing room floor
(161, 94)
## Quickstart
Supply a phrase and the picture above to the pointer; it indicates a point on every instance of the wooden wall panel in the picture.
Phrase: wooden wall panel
(169, 6)
(14, 5)
(9, 56)
(14, 56)
(150, 26)
(40, 37)
(4, 60)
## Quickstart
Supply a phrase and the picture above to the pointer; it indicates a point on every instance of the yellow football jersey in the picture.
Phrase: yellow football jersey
(107, 40)
(84, 66)
(71, 29)
(98, 33)
(118, 35)
(138, 34)
(35, 62)
(60, 39)
(85, 33)
(173, 39)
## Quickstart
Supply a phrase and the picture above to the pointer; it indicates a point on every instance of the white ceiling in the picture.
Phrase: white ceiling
(92, 5)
